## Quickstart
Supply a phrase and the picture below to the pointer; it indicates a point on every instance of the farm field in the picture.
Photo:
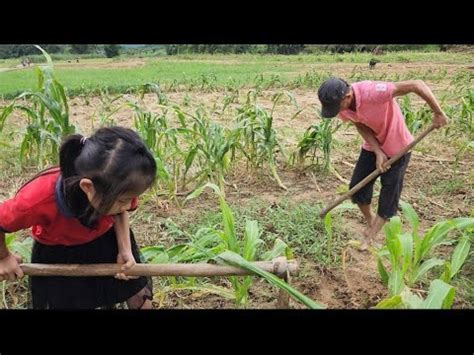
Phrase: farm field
(250, 126)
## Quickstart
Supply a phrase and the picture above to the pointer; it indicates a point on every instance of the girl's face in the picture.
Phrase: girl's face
(122, 204)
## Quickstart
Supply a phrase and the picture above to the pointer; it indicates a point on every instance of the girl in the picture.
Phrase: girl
(79, 215)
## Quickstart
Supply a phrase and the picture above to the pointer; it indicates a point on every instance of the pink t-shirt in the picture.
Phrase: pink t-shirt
(377, 109)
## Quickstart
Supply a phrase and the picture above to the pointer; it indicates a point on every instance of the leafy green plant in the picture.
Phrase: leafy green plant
(258, 139)
(241, 251)
(47, 116)
(409, 254)
(316, 138)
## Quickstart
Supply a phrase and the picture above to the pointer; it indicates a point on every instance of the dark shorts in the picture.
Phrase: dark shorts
(392, 183)
(59, 292)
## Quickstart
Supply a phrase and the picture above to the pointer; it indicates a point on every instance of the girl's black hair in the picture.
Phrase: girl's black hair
(115, 159)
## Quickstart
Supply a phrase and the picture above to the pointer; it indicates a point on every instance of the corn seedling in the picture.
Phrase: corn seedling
(460, 253)
(409, 253)
(310, 80)
(232, 258)
(155, 88)
(440, 295)
(461, 76)
(414, 120)
(232, 85)
(258, 140)
(186, 100)
(462, 115)
(241, 251)
(466, 116)
(258, 83)
(317, 138)
(229, 98)
(210, 149)
(47, 115)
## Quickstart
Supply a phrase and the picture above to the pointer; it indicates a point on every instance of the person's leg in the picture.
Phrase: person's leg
(392, 185)
(365, 165)
(366, 210)
(141, 300)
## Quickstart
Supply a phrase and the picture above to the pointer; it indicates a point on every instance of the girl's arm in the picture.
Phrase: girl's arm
(122, 232)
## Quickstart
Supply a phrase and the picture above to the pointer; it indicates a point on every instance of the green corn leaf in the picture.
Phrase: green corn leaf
(236, 260)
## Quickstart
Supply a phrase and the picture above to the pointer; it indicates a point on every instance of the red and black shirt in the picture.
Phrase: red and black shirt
(40, 204)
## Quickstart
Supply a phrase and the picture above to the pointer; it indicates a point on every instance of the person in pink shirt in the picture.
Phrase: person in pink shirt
(372, 108)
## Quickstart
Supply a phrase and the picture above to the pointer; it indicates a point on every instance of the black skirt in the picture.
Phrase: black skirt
(59, 292)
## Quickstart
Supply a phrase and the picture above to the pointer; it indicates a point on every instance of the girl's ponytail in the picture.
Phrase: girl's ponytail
(70, 149)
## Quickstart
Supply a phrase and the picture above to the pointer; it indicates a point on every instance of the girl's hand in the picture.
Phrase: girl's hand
(10, 267)
(126, 258)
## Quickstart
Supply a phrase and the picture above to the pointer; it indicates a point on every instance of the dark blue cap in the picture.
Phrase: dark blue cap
(331, 93)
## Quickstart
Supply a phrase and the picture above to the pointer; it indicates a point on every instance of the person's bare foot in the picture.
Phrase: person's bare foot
(378, 241)
(366, 240)
(366, 243)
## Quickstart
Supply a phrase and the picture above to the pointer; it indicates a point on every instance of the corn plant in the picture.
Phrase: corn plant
(460, 253)
(468, 146)
(152, 128)
(273, 81)
(415, 119)
(258, 140)
(462, 116)
(205, 82)
(316, 138)
(461, 76)
(440, 295)
(85, 95)
(310, 80)
(241, 251)
(107, 99)
(210, 242)
(329, 232)
(164, 142)
(191, 252)
(155, 88)
(210, 149)
(236, 260)
(107, 108)
(232, 85)
(173, 86)
(466, 116)
(186, 100)
(258, 82)
(356, 74)
(229, 98)
(148, 125)
(409, 253)
(47, 116)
